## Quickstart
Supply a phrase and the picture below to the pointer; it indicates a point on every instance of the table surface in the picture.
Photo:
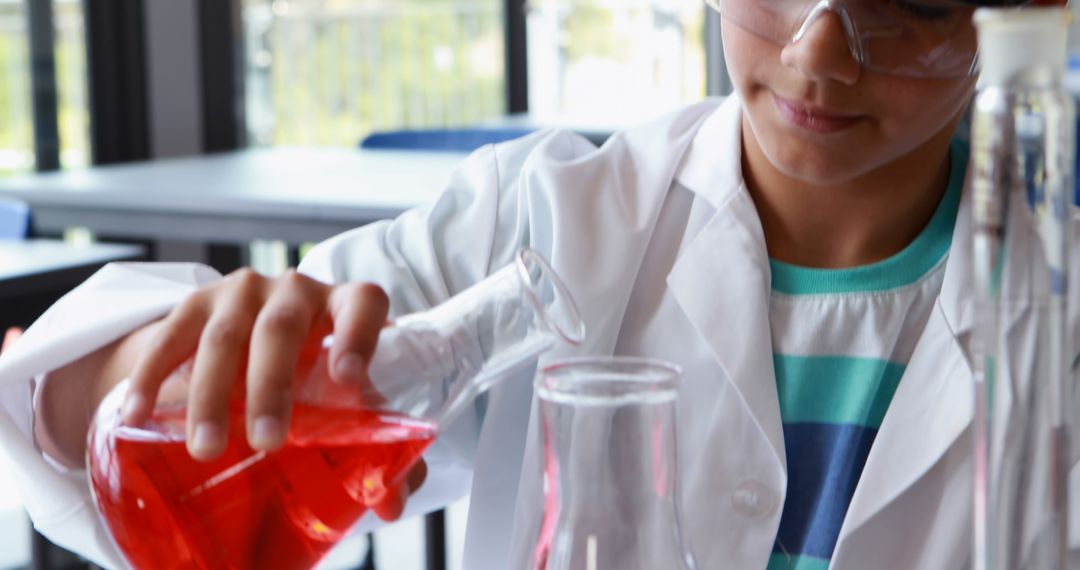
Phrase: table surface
(281, 193)
(33, 265)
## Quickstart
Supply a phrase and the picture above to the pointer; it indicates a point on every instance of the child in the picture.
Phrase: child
(800, 249)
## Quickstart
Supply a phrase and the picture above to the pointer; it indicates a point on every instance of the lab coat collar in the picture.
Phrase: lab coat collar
(712, 167)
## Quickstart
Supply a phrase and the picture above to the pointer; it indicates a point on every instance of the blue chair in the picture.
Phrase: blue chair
(14, 220)
(458, 140)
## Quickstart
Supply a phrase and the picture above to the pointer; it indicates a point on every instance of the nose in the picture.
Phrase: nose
(823, 50)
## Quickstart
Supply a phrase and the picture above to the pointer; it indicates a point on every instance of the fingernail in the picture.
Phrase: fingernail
(350, 367)
(207, 437)
(267, 432)
(133, 406)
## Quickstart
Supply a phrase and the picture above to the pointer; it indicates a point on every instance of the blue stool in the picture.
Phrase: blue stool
(14, 220)
(457, 140)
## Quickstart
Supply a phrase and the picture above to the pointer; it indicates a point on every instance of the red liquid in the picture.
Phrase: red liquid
(245, 510)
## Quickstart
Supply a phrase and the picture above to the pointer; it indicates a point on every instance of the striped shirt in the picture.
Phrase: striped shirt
(841, 340)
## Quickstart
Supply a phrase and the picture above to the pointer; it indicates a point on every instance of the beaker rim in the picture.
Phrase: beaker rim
(609, 380)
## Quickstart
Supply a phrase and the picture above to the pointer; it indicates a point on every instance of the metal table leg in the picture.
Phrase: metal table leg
(435, 540)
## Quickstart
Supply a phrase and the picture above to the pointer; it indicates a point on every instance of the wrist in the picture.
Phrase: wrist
(66, 398)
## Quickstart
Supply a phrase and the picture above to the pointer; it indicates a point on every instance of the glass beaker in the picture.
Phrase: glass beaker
(610, 476)
(348, 444)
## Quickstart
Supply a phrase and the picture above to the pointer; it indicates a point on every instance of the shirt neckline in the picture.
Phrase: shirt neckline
(904, 268)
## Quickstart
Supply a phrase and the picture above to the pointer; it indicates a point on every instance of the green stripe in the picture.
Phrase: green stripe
(904, 268)
(779, 561)
(835, 389)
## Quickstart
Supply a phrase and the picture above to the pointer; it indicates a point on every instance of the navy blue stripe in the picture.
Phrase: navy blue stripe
(824, 465)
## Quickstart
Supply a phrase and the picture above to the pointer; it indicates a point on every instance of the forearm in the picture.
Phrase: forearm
(73, 392)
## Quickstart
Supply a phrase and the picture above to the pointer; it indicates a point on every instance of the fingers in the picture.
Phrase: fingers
(359, 311)
(263, 325)
(10, 336)
(222, 349)
(281, 330)
(417, 474)
(174, 342)
(390, 508)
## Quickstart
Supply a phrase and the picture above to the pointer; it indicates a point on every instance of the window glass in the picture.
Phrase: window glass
(73, 109)
(16, 113)
(16, 106)
(327, 72)
(614, 61)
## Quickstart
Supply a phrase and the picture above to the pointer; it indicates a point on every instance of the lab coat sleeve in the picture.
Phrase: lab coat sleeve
(116, 300)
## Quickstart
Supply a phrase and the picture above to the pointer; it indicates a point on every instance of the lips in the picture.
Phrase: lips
(812, 118)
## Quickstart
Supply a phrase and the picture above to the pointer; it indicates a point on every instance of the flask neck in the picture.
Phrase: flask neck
(434, 364)
(633, 455)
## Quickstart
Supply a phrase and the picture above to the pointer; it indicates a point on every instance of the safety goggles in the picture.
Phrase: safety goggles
(912, 38)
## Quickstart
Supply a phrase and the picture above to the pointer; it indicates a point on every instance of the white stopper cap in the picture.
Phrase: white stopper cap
(1022, 46)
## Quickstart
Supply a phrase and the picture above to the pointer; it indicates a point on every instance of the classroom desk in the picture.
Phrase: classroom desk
(35, 273)
(294, 195)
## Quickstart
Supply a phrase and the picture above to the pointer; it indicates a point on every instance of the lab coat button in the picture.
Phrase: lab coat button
(753, 499)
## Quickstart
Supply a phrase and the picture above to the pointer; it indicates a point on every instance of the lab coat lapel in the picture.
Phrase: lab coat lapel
(930, 410)
(721, 280)
(933, 404)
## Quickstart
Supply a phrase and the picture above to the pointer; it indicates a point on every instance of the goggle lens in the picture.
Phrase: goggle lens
(915, 38)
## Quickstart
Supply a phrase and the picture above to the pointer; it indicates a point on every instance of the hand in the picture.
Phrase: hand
(263, 322)
(248, 321)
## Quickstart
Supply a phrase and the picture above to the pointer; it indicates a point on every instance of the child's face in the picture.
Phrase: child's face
(819, 117)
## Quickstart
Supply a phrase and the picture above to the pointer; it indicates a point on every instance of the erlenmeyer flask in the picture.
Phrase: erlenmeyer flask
(610, 474)
(347, 446)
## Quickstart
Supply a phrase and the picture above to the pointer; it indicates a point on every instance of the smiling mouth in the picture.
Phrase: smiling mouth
(813, 119)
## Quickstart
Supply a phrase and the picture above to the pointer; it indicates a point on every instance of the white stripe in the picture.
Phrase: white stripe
(879, 324)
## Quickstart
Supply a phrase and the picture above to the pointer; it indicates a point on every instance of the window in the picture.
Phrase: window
(327, 72)
(614, 61)
(16, 113)
(16, 105)
(72, 114)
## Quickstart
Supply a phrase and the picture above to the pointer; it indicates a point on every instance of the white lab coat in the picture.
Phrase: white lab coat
(658, 239)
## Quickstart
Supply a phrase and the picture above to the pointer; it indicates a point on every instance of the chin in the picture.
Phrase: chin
(812, 164)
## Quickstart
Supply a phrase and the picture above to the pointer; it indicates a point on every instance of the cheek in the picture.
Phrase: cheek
(743, 53)
(906, 103)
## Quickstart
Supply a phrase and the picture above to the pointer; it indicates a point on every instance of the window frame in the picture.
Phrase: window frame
(43, 95)
(517, 80)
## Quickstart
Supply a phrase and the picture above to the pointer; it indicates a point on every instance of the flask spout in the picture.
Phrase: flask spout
(434, 364)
